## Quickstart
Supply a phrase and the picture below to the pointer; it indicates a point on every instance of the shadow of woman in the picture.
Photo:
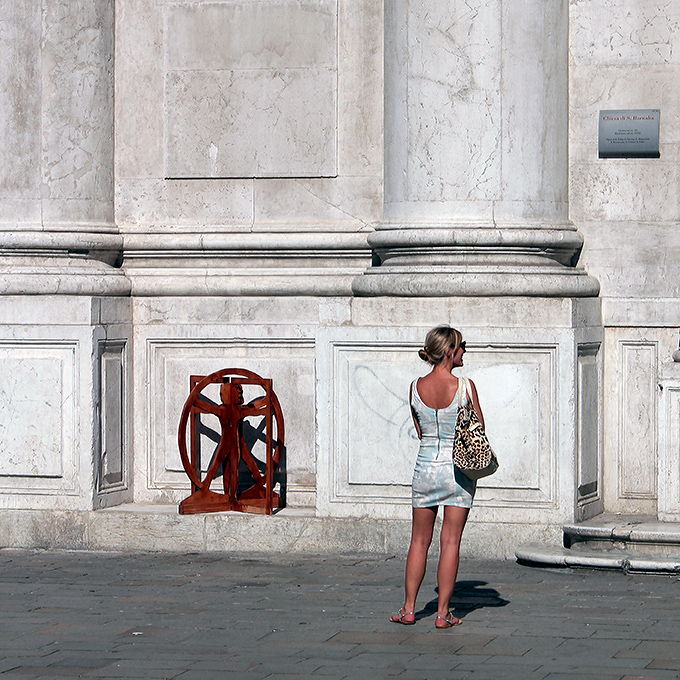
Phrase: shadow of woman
(467, 596)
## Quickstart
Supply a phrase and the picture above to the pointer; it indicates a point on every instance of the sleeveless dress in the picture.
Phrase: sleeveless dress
(436, 481)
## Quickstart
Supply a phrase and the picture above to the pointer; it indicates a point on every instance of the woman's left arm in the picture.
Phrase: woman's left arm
(475, 403)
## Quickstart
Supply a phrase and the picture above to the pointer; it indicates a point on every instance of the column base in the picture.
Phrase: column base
(475, 282)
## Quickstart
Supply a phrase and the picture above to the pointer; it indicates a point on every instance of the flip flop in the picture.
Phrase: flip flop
(401, 615)
(449, 621)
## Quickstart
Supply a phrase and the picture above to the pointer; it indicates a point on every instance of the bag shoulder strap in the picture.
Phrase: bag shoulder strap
(468, 392)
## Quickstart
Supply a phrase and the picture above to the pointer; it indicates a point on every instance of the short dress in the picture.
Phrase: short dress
(436, 481)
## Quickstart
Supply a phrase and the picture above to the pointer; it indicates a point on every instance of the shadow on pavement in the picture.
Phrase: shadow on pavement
(467, 596)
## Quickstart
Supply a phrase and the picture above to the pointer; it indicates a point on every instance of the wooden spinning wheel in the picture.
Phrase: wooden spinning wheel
(232, 450)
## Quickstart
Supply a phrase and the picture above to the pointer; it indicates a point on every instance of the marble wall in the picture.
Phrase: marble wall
(624, 55)
(304, 187)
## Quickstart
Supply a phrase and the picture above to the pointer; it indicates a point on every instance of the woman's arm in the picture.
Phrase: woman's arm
(475, 403)
(413, 413)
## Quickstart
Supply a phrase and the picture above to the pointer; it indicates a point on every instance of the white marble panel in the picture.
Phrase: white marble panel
(669, 451)
(614, 31)
(376, 439)
(37, 416)
(251, 123)
(396, 103)
(517, 395)
(236, 68)
(373, 445)
(643, 190)
(147, 205)
(330, 50)
(360, 88)
(20, 103)
(257, 34)
(637, 464)
(535, 103)
(288, 362)
(353, 201)
(588, 420)
(636, 261)
(139, 90)
(112, 400)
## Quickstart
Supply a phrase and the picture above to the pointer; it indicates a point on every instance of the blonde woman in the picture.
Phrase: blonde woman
(434, 405)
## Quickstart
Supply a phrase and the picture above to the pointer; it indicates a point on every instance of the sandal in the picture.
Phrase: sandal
(400, 617)
(449, 621)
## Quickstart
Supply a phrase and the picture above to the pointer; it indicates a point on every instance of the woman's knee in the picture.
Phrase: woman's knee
(421, 542)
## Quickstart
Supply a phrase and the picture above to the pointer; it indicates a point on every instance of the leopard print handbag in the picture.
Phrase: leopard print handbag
(472, 453)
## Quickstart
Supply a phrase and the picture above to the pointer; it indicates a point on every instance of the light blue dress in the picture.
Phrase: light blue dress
(436, 481)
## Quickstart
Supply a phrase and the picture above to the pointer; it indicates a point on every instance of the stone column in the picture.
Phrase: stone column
(476, 164)
(57, 230)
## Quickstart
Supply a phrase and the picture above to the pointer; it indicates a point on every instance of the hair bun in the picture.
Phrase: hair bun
(422, 353)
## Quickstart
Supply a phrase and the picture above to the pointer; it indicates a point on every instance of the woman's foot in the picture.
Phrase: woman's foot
(405, 618)
(446, 621)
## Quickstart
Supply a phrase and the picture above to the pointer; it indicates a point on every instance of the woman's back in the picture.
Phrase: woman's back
(437, 426)
(437, 391)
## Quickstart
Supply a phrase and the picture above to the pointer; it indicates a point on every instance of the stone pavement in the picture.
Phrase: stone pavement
(204, 616)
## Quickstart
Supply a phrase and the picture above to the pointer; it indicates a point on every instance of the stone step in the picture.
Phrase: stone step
(543, 556)
(632, 543)
(644, 535)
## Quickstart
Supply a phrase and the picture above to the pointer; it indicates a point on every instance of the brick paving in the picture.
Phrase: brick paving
(210, 616)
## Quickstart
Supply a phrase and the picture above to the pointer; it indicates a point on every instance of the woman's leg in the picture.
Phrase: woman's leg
(416, 562)
(452, 532)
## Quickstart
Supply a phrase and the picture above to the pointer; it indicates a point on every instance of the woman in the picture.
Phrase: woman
(434, 405)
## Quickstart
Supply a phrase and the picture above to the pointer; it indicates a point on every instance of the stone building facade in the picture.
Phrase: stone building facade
(303, 188)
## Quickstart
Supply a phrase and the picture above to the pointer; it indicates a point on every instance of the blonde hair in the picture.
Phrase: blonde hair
(437, 341)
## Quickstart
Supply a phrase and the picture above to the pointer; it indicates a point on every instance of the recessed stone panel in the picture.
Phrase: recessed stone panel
(112, 468)
(589, 440)
(251, 89)
(259, 34)
(669, 451)
(256, 123)
(289, 363)
(373, 445)
(37, 416)
(637, 465)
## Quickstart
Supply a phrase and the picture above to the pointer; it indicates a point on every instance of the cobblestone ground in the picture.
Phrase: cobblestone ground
(205, 616)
